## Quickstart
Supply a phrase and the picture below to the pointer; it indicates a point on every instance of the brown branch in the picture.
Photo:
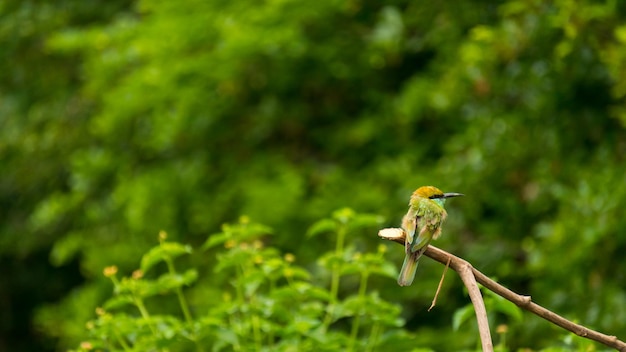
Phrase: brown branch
(465, 272)
(524, 302)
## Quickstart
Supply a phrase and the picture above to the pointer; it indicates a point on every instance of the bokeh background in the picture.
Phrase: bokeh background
(122, 118)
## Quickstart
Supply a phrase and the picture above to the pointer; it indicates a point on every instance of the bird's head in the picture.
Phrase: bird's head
(434, 193)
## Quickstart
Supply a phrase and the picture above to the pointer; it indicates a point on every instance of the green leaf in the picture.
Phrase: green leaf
(349, 307)
(386, 269)
(399, 340)
(215, 239)
(151, 258)
(167, 326)
(321, 226)
(301, 289)
(255, 230)
(170, 281)
(161, 252)
(118, 301)
(167, 282)
(461, 316)
(174, 249)
(251, 283)
(344, 215)
(66, 248)
(503, 305)
(351, 268)
(190, 276)
(297, 273)
(233, 258)
(330, 259)
(225, 337)
(366, 220)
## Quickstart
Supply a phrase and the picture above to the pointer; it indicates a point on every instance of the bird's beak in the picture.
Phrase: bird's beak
(450, 195)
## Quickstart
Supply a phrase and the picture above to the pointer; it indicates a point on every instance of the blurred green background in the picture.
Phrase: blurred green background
(121, 118)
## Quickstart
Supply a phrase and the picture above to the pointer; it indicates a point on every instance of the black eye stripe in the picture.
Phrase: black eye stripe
(436, 196)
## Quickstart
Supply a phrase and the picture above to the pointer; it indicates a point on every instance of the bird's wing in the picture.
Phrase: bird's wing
(408, 224)
(427, 223)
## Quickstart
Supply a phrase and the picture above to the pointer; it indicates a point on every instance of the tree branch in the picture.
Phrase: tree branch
(526, 303)
(465, 271)
(462, 267)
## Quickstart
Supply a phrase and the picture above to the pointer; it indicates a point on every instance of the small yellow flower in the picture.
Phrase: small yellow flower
(162, 235)
(86, 345)
(110, 271)
(137, 274)
(290, 258)
(89, 325)
(230, 244)
(502, 329)
(100, 311)
(257, 244)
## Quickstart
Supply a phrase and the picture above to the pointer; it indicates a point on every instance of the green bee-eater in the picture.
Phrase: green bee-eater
(422, 224)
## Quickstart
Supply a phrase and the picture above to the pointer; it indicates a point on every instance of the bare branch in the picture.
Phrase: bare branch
(525, 302)
(465, 271)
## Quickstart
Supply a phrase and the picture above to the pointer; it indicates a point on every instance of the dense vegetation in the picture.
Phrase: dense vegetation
(121, 119)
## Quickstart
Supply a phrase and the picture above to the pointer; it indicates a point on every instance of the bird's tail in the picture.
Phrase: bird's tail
(409, 268)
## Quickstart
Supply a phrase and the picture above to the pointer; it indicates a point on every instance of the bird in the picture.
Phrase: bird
(422, 224)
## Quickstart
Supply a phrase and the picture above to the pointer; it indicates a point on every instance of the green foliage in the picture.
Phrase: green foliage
(272, 304)
(495, 305)
(122, 118)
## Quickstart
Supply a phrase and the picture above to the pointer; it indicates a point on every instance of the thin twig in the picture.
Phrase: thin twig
(443, 276)
(523, 302)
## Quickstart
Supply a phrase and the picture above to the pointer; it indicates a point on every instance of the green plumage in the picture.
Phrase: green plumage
(422, 224)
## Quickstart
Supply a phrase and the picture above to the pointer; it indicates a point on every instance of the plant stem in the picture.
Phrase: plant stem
(233, 324)
(121, 341)
(241, 304)
(179, 293)
(144, 313)
(256, 332)
(335, 276)
(357, 319)
(270, 334)
(183, 304)
(373, 338)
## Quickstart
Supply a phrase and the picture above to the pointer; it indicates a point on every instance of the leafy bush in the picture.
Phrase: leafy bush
(273, 304)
